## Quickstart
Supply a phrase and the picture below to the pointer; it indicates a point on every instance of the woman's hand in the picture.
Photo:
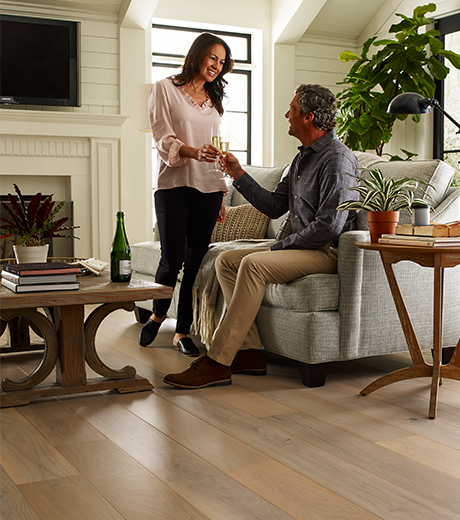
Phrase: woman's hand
(207, 153)
(221, 216)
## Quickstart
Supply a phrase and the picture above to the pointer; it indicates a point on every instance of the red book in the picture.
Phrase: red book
(41, 268)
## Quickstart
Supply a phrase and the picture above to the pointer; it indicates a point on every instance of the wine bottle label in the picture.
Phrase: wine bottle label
(125, 267)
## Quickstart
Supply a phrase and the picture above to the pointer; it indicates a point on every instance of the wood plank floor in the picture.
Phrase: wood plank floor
(262, 448)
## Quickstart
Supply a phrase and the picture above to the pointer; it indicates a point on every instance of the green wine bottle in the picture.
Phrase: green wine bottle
(120, 255)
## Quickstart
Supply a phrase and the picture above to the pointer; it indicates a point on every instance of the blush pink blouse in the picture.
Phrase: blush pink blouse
(176, 119)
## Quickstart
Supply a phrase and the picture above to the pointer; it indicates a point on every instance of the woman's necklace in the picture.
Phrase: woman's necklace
(194, 88)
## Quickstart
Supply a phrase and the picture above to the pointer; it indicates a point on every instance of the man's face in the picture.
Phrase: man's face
(295, 118)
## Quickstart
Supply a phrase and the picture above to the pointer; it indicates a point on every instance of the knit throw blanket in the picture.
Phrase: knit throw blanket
(208, 302)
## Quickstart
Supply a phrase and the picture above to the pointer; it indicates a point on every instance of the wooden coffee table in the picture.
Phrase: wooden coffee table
(69, 339)
(438, 258)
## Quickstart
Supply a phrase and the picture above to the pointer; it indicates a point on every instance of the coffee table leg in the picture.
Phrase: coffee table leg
(50, 346)
(70, 369)
(91, 325)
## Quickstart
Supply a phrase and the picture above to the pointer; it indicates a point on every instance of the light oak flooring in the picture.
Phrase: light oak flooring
(262, 448)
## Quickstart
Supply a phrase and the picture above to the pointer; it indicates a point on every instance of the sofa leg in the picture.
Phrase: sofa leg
(313, 375)
(142, 315)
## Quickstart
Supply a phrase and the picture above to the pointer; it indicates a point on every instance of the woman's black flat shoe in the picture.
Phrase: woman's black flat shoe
(187, 347)
(149, 332)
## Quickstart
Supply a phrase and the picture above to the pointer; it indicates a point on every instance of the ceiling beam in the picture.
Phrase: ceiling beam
(291, 18)
(136, 14)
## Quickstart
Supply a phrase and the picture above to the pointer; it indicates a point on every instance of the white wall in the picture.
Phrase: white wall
(72, 152)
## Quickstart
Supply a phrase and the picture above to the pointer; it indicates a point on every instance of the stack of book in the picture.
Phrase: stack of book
(49, 276)
(420, 241)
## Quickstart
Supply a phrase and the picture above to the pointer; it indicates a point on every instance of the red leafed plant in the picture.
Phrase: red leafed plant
(35, 221)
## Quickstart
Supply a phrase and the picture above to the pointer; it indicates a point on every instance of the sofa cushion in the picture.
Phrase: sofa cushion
(312, 293)
(241, 222)
(145, 257)
(266, 177)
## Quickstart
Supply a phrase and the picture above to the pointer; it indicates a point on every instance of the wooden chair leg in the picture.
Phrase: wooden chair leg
(313, 375)
(142, 315)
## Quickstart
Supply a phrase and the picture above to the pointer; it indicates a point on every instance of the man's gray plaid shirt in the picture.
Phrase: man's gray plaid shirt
(311, 191)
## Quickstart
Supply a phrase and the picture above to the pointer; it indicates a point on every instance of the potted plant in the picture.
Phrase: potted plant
(33, 222)
(406, 64)
(383, 199)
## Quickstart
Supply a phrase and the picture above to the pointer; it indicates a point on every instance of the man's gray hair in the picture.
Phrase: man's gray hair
(321, 102)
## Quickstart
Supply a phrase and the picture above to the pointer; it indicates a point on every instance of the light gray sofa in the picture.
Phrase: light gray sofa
(322, 318)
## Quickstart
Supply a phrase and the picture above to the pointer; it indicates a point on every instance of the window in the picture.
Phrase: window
(446, 140)
(170, 44)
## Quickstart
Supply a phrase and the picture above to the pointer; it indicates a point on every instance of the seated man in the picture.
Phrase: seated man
(311, 191)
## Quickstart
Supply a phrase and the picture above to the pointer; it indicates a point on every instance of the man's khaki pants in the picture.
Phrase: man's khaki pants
(242, 274)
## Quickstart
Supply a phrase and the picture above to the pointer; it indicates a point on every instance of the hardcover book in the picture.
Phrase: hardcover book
(17, 288)
(39, 279)
(41, 268)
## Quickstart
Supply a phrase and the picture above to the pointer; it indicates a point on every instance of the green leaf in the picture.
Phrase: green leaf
(435, 45)
(423, 9)
(438, 70)
(384, 42)
(419, 40)
(405, 25)
(409, 154)
(348, 56)
(366, 46)
(365, 121)
(453, 57)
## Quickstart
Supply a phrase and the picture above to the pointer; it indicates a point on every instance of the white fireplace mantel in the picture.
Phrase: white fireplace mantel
(80, 149)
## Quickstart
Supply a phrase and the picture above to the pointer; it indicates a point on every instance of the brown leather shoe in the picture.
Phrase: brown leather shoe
(251, 362)
(203, 372)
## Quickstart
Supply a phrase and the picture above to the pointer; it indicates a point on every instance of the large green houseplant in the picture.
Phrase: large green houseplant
(383, 199)
(34, 221)
(406, 64)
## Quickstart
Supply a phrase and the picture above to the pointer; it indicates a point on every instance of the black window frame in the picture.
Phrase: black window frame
(235, 70)
(445, 26)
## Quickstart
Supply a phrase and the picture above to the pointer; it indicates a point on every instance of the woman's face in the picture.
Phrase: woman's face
(212, 64)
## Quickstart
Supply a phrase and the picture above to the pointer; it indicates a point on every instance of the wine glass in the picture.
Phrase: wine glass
(224, 145)
(215, 141)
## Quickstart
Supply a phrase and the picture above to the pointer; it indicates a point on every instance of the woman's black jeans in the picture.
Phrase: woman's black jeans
(186, 219)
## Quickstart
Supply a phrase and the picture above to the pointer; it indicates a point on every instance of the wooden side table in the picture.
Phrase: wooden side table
(438, 258)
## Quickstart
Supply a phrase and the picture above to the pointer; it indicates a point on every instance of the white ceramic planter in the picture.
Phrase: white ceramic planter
(30, 254)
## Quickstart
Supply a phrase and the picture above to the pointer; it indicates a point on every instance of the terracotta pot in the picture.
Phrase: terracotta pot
(31, 254)
(381, 222)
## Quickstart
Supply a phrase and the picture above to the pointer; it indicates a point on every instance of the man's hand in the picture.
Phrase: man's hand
(233, 167)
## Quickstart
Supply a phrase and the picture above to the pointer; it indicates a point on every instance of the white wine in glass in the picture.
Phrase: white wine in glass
(215, 141)
(224, 146)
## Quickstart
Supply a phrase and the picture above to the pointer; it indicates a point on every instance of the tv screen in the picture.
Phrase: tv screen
(39, 61)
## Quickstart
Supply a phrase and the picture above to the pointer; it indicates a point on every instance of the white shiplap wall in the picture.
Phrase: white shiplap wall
(99, 67)
(317, 62)
(99, 58)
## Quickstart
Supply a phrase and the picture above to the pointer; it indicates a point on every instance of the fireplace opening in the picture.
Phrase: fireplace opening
(58, 247)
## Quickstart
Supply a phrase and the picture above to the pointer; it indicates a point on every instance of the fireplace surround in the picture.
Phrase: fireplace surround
(76, 156)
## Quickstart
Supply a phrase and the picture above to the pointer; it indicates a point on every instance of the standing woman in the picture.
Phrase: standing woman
(188, 197)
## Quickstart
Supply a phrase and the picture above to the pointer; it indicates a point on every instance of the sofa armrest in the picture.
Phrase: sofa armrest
(449, 209)
(350, 270)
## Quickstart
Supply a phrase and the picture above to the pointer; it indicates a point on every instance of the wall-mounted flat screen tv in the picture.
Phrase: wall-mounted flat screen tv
(39, 61)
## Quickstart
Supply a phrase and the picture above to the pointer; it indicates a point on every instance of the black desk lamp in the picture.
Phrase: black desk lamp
(413, 103)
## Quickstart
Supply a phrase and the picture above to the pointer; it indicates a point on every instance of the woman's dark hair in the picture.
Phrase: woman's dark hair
(192, 64)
